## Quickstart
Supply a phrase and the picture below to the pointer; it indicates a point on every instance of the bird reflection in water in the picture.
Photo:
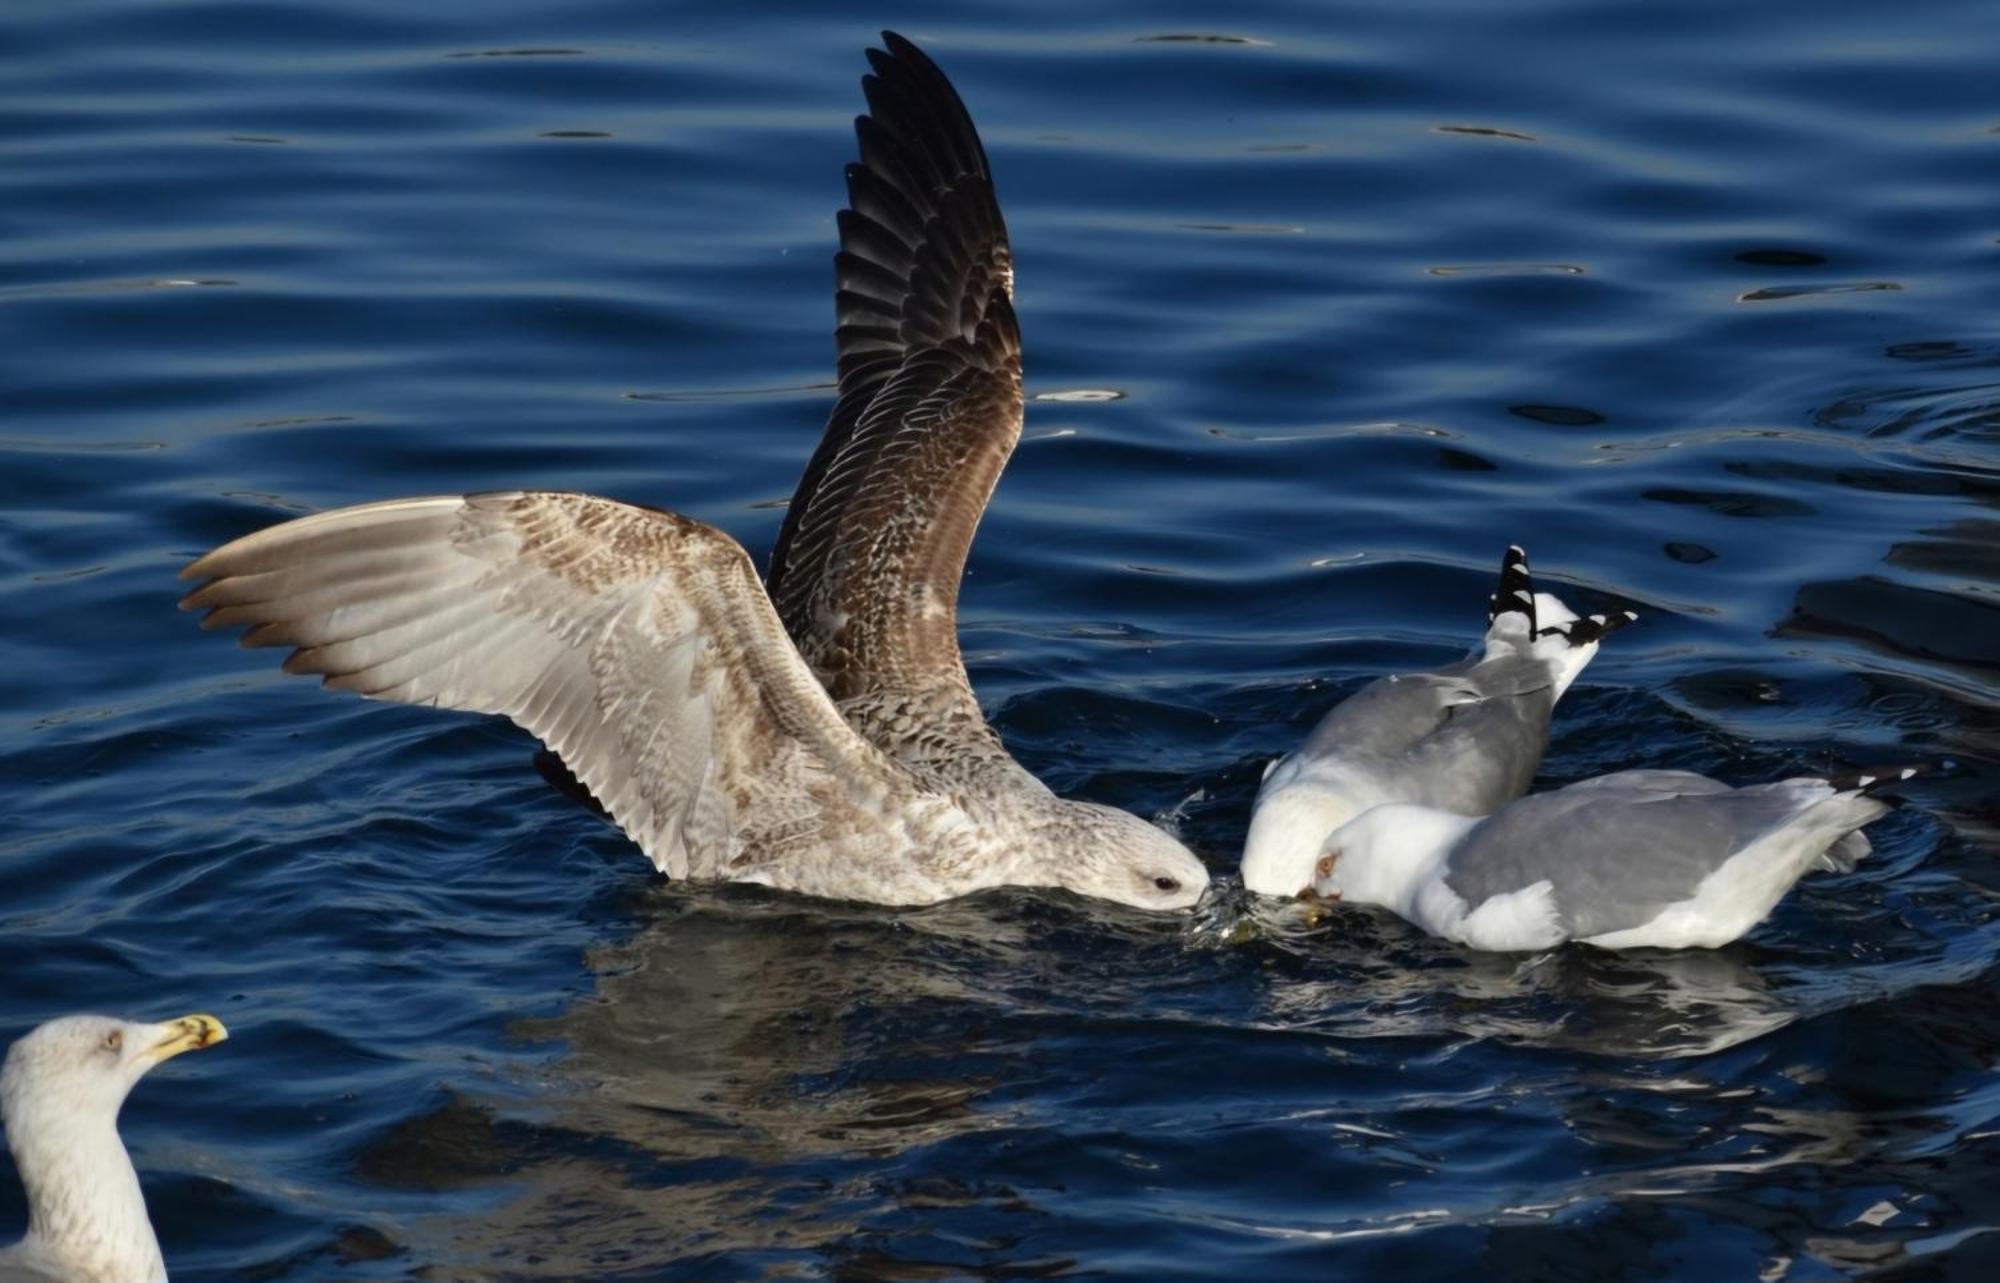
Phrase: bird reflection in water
(771, 1080)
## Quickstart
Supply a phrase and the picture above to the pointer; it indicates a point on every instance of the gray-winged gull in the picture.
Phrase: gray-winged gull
(1635, 859)
(846, 758)
(1465, 738)
(60, 1092)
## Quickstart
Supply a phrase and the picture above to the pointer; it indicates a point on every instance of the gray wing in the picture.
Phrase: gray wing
(636, 643)
(1644, 785)
(866, 570)
(1388, 715)
(1466, 739)
(1617, 849)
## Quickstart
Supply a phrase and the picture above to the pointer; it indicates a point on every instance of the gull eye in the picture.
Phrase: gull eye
(1167, 884)
(1326, 864)
(114, 1040)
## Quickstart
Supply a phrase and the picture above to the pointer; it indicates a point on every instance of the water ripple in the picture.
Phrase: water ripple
(1694, 301)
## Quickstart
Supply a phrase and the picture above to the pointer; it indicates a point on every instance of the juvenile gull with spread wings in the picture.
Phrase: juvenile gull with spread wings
(845, 757)
(1465, 738)
(1634, 859)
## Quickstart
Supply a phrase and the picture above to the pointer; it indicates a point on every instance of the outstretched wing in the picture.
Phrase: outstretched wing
(866, 569)
(636, 643)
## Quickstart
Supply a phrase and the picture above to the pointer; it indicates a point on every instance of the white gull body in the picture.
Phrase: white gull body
(60, 1092)
(1635, 859)
(1466, 738)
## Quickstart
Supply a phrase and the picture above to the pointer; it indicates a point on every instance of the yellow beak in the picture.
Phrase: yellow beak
(187, 1033)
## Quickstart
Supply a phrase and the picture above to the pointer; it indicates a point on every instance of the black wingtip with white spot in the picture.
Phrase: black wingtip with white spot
(1516, 593)
(1591, 628)
(1868, 779)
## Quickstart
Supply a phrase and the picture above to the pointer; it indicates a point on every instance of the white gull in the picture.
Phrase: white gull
(1634, 859)
(1465, 738)
(60, 1092)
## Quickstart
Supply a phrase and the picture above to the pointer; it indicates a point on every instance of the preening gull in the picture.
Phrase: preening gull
(844, 758)
(60, 1092)
(1635, 859)
(1465, 738)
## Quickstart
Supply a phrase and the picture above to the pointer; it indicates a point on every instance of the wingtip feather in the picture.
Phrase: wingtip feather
(1590, 629)
(1868, 779)
(1515, 594)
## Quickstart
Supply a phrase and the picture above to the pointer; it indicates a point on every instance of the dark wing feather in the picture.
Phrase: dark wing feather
(866, 569)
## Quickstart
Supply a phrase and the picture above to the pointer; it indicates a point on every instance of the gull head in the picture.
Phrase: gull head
(60, 1091)
(83, 1066)
(1118, 856)
(1385, 855)
(1287, 830)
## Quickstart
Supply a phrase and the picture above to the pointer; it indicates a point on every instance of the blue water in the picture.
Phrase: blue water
(1697, 301)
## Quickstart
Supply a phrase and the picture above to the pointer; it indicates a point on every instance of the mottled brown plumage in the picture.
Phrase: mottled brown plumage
(866, 570)
(640, 647)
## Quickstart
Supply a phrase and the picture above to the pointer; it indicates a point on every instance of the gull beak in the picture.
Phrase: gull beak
(1313, 909)
(187, 1033)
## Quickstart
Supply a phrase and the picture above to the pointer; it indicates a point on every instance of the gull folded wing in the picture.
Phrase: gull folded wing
(1619, 850)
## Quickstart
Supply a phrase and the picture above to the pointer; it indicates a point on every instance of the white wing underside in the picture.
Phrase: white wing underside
(637, 644)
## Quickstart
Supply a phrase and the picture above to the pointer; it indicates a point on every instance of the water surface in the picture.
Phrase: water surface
(1695, 301)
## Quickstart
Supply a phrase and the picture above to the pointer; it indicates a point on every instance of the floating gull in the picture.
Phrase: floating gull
(1465, 738)
(1635, 859)
(820, 738)
(60, 1092)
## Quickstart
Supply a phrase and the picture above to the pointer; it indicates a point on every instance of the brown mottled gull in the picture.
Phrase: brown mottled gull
(846, 757)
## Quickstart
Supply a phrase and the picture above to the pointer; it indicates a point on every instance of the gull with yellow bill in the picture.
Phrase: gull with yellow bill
(60, 1091)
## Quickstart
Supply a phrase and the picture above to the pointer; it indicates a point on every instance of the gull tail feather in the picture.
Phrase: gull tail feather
(1844, 855)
